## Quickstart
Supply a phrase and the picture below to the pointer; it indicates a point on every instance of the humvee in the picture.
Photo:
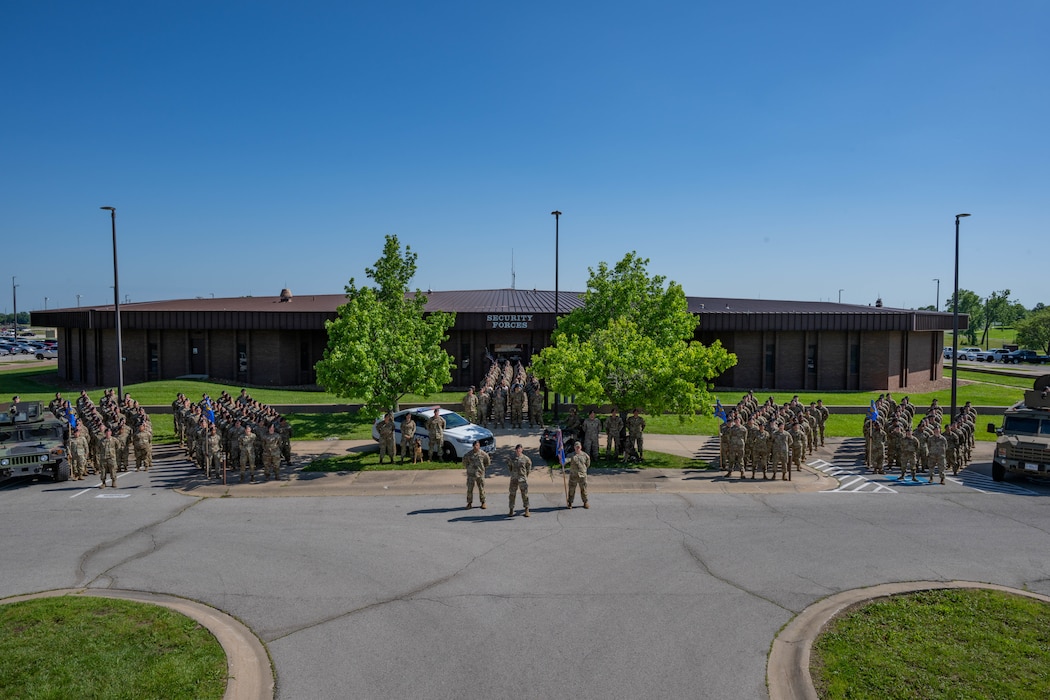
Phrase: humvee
(32, 442)
(1023, 446)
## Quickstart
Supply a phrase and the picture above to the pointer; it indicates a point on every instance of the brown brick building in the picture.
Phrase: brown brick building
(275, 341)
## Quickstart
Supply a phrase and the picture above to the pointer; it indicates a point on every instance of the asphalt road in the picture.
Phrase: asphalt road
(649, 594)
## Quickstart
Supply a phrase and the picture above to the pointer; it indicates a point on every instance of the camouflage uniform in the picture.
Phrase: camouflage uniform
(470, 406)
(578, 464)
(613, 426)
(759, 443)
(484, 406)
(517, 406)
(435, 436)
(591, 428)
(937, 445)
(246, 448)
(476, 462)
(909, 452)
(635, 430)
(736, 438)
(385, 428)
(143, 443)
(408, 436)
(78, 454)
(272, 454)
(213, 453)
(109, 456)
(781, 450)
(519, 467)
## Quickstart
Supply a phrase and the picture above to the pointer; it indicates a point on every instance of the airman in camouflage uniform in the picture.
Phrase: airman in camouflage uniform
(408, 436)
(613, 426)
(909, 452)
(798, 445)
(271, 454)
(517, 406)
(578, 463)
(759, 445)
(109, 455)
(213, 453)
(246, 448)
(519, 467)
(78, 454)
(476, 462)
(878, 449)
(470, 406)
(736, 438)
(535, 399)
(143, 444)
(635, 433)
(591, 428)
(937, 445)
(436, 436)
(781, 452)
(485, 406)
(386, 437)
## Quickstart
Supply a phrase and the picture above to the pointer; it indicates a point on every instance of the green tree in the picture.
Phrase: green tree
(997, 309)
(1034, 331)
(973, 306)
(631, 344)
(381, 345)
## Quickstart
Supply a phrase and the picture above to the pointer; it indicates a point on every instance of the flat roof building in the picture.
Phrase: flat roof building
(276, 341)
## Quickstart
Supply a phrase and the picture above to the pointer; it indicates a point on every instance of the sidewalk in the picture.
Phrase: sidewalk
(453, 481)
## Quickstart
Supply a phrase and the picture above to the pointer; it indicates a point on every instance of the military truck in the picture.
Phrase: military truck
(32, 442)
(1023, 446)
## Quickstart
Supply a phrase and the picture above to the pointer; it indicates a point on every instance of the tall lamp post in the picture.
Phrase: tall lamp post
(557, 217)
(14, 300)
(840, 295)
(937, 305)
(116, 306)
(955, 318)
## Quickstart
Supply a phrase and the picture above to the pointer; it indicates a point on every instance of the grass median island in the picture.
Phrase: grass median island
(89, 647)
(953, 643)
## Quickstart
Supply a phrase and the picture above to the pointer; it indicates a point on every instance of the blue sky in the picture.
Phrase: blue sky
(751, 149)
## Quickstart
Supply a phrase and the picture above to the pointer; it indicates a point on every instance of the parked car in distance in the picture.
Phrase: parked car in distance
(992, 355)
(460, 433)
(4, 351)
(948, 353)
(1019, 356)
(47, 354)
(969, 353)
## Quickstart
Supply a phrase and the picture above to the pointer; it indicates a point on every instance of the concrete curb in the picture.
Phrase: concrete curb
(787, 671)
(250, 674)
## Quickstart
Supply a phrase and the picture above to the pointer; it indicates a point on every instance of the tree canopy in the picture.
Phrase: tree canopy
(631, 345)
(1034, 331)
(381, 346)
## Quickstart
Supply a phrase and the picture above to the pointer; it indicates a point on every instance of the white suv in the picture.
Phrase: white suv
(460, 433)
(969, 353)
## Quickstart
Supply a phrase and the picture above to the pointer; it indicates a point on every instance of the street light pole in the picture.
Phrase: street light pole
(78, 301)
(116, 306)
(840, 295)
(557, 217)
(937, 306)
(955, 319)
(45, 303)
(14, 300)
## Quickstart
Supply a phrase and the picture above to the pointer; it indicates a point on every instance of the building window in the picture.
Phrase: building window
(304, 356)
(771, 358)
(854, 359)
(811, 360)
(242, 358)
(154, 359)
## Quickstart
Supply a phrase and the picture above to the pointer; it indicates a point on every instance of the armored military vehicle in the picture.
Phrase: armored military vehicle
(1023, 446)
(32, 442)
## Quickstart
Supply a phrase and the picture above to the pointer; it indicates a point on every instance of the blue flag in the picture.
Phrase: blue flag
(873, 414)
(561, 449)
(719, 411)
(72, 420)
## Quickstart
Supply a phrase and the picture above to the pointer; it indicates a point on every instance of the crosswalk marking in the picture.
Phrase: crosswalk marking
(857, 479)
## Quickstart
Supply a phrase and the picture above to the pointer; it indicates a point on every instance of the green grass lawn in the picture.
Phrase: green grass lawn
(40, 383)
(960, 643)
(88, 647)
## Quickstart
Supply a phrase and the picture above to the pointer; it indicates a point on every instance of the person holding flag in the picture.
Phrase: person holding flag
(560, 451)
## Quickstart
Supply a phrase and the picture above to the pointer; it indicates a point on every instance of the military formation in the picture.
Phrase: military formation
(508, 395)
(103, 438)
(622, 438)
(230, 433)
(890, 441)
(771, 437)
(476, 462)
